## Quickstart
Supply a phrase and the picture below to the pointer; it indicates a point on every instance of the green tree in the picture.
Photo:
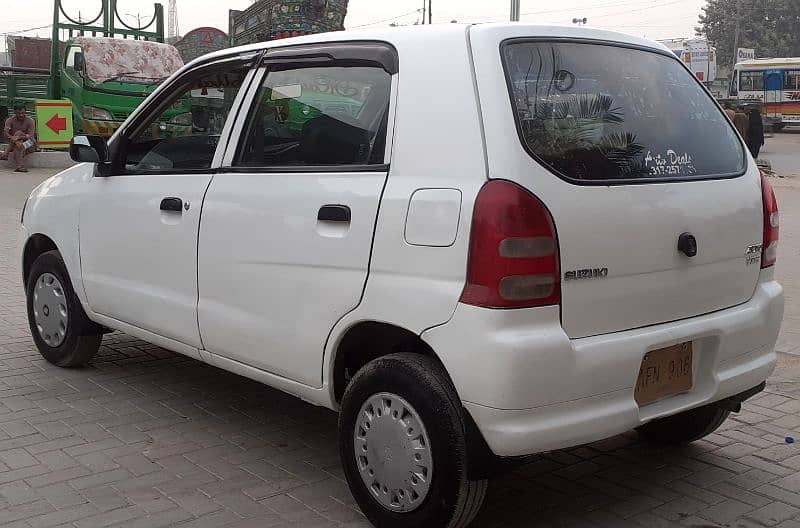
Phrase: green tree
(771, 27)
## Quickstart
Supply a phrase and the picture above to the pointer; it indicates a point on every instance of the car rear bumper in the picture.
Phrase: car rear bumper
(529, 388)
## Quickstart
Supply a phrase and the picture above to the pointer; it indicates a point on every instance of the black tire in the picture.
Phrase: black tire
(685, 427)
(453, 500)
(82, 337)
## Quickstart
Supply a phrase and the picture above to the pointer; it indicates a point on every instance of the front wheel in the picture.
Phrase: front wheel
(63, 334)
(687, 426)
(403, 446)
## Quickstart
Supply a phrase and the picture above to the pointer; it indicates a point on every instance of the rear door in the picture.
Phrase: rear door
(287, 225)
(636, 163)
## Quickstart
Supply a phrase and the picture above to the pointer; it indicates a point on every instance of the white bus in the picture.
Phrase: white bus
(773, 83)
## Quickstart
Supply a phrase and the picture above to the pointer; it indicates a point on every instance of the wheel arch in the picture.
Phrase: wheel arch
(36, 245)
(367, 340)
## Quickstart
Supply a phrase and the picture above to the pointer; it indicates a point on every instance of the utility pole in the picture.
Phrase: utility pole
(138, 17)
(738, 30)
(515, 10)
(174, 30)
(430, 11)
(424, 10)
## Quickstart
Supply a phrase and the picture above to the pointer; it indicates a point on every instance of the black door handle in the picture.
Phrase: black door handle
(334, 213)
(174, 205)
(687, 244)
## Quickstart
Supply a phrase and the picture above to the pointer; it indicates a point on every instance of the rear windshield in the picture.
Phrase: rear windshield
(594, 112)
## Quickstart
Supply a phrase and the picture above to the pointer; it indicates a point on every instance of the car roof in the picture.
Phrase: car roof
(394, 35)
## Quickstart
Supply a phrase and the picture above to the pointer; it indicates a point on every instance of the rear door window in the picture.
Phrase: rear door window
(592, 112)
(318, 115)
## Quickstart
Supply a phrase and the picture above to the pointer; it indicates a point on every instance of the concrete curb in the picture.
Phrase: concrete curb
(44, 160)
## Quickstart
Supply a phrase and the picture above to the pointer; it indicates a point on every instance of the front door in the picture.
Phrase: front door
(287, 226)
(139, 225)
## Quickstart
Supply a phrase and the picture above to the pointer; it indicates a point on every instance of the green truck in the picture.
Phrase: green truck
(105, 78)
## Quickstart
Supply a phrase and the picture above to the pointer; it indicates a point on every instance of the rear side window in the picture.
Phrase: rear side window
(600, 113)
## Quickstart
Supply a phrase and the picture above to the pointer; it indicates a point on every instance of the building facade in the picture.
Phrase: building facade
(277, 19)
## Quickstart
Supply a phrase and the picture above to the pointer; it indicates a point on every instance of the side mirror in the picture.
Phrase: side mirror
(79, 65)
(88, 149)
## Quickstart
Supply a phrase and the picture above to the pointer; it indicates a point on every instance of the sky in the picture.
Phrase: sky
(654, 19)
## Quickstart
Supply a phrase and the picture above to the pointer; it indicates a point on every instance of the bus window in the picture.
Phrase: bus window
(734, 90)
(752, 81)
(792, 80)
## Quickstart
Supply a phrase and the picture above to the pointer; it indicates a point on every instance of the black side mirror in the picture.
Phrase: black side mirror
(88, 149)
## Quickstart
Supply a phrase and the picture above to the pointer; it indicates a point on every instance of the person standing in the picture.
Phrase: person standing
(755, 132)
(741, 122)
(21, 133)
(729, 111)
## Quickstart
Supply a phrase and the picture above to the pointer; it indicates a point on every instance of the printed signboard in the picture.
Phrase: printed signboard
(54, 123)
(743, 54)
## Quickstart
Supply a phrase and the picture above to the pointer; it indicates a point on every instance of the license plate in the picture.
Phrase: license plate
(664, 372)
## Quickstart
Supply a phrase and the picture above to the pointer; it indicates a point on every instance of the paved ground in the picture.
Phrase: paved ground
(782, 150)
(148, 438)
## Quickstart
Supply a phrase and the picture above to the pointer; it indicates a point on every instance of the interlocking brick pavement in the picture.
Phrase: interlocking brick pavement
(147, 438)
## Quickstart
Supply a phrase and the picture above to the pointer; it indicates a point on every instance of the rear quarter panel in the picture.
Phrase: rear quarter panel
(437, 143)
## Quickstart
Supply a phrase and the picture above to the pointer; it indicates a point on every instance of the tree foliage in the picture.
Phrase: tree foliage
(771, 27)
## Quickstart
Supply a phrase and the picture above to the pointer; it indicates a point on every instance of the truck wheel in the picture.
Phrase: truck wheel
(59, 326)
(685, 427)
(403, 446)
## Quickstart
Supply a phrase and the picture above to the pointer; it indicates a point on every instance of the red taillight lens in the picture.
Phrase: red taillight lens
(769, 251)
(513, 253)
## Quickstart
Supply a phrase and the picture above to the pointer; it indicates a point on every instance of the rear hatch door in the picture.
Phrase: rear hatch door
(638, 165)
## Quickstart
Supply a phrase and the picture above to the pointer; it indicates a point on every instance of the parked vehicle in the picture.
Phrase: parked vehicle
(494, 246)
(773, 84)
(105, 78)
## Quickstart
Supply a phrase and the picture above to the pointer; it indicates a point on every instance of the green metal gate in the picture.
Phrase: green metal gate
(107, 23)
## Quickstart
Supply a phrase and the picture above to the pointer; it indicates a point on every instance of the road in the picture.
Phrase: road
(147, 438)
(783, 151)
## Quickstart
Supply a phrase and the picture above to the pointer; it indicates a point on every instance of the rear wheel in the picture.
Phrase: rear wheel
(63, 334)
(685, 427)
(403, 447)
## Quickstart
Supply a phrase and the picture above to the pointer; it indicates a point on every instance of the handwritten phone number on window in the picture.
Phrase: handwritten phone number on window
(672, 170)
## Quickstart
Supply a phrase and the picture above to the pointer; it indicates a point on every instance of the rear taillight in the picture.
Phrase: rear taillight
(513, 253)
(769, 251)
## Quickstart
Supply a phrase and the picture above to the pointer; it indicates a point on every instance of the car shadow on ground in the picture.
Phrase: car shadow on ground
(188, 417)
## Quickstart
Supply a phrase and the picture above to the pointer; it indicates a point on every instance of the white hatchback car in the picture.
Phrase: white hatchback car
(474, 242)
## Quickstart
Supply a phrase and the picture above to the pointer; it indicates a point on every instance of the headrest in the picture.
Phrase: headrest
(326, 140)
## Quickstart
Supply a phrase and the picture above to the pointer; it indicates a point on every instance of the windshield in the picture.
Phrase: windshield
(110, 59)
(600, 112)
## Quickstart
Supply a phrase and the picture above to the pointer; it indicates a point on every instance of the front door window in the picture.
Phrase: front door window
(183, 135)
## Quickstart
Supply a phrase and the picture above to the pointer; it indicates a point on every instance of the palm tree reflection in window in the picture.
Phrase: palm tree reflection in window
(572, 128)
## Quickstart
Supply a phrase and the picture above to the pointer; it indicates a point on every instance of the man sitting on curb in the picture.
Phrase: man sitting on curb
(21, 133)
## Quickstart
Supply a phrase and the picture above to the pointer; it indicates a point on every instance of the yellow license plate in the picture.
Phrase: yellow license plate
(664, 372)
